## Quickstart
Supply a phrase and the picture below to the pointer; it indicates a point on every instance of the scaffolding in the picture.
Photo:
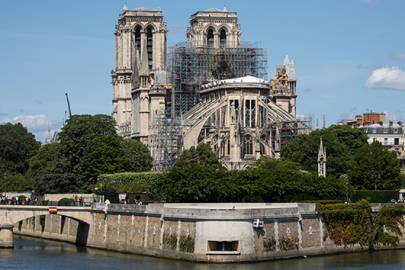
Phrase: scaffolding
(190, 67)
(166, 140)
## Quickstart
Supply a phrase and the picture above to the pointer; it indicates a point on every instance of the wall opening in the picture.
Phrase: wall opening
(223, 246)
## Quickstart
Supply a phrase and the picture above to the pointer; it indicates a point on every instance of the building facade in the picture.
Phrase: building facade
(215, 90)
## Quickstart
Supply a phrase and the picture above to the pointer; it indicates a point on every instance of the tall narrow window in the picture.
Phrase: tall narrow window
(150, 46)
(222, 39)
(210, 38)
(248, 145)
(138, 38)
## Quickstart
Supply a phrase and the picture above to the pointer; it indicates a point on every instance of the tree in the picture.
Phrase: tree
(202, 155)
(353, 138)
(84, 151)
(104, 155)
(42, 159)
(17, 145)
(196, 177)
(374, 165)
(75, 135)
(138, 154)
(341, 143)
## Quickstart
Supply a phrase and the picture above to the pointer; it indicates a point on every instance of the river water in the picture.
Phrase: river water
(34, 253)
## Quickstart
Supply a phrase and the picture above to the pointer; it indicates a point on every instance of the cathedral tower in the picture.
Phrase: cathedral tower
(139, 31)
(214, 28)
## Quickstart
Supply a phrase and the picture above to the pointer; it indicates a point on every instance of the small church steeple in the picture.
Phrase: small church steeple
(322, 160)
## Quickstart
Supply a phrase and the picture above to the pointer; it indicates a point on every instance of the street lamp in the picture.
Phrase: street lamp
(5, 185)
(118, 183)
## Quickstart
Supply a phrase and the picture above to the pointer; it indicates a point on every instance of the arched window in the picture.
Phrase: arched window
(138, 38)
(222, 39)
(210, 38)
(149, 37)
(248, 145)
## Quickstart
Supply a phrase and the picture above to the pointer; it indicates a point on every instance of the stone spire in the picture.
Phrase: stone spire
(286, 61)
(125, 8)
(323, 126)
(291, 75)
(317, 124)
(322, 160)
(48, 138)
(225, 10)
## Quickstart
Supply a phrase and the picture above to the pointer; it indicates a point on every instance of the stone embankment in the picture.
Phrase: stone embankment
(197, 232)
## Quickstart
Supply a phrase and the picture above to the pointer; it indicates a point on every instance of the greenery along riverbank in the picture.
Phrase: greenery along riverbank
(356, 224)
(198, 177)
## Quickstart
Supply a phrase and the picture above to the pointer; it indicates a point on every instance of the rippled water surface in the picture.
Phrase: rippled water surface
(34, 253)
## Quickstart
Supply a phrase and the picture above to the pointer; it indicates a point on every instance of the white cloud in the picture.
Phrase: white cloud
(36, 124)
(387, 78)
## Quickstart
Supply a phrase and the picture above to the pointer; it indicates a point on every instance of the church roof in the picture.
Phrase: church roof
(241, 80)
(213, 9)
(141, 8)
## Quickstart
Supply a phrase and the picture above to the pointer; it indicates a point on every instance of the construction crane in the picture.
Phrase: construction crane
(67, 98)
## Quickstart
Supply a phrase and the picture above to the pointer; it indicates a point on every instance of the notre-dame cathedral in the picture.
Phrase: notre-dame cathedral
(212, 88)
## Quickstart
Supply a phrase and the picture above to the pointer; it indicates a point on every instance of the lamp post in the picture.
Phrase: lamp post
(118, 183)
(101, 182)
(5, 184)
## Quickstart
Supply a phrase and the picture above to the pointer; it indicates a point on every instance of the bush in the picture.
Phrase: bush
(65, 202)
(375, 196)
(44, 202)
(323, 201)
(131, 182)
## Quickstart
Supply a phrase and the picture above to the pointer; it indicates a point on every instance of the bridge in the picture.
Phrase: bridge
(11, 214)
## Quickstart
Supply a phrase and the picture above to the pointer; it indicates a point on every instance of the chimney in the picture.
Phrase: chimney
(400, 123)
(391, 123)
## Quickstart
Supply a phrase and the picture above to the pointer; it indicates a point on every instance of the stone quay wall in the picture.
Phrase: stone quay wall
(197, 232)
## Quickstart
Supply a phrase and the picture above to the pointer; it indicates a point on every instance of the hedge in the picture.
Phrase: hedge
(375, 196)
(131, 182)
(323, 201)
(66, 202)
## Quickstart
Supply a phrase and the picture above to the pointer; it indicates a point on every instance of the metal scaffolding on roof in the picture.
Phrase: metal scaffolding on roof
(190, 67)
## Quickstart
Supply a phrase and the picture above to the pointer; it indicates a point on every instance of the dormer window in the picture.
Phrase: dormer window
(385, 130)
(374, 130)
(395, 130)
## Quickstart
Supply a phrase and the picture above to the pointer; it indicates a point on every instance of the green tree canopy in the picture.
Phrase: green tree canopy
(17, 145)
(138, 154)
(42, 159)
(374, 161)
(341, 143)
(88, 146)
(76, 134)
(202, 155)
(268, 180)
(104, 155)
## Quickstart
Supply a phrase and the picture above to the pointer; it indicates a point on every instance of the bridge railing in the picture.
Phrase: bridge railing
(47, 203)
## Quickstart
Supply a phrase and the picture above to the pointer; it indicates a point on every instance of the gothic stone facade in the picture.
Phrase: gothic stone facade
(240, 117)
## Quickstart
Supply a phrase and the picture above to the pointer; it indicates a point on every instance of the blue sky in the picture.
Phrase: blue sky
(349, 55)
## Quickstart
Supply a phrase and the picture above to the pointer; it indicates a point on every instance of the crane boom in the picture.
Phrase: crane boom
(67, 98)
